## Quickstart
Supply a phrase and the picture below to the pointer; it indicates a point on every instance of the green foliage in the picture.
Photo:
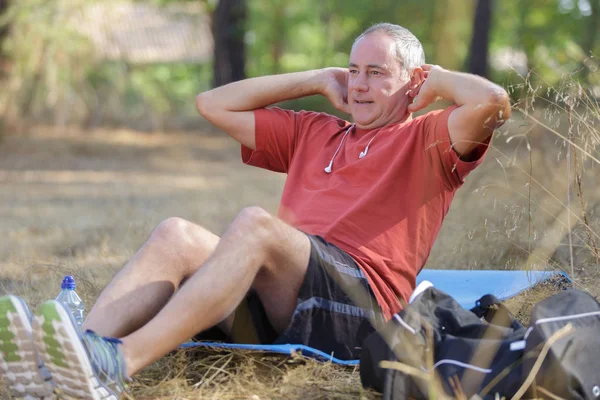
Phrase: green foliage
(53, 68)
(130, 93)
(550, 33)
(54, 72)
(315, 34)
(168, 87)
(48, 56)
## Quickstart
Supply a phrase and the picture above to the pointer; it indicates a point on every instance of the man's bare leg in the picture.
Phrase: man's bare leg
(258, 250)
(172, 253)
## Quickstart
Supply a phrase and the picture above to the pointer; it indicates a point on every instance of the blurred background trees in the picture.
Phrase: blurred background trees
(229, 29)
(480, 38)
(3, 33)
(141, 63)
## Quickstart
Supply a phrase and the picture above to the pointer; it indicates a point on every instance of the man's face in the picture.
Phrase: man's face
(377, 86)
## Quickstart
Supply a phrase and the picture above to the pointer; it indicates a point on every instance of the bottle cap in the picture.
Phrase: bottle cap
(68, 283)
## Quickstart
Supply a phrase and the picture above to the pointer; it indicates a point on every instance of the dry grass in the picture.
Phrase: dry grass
(522, 305)
(82, 203)
(209, 374)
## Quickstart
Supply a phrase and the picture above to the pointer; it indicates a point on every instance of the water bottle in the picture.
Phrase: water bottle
(72, 302)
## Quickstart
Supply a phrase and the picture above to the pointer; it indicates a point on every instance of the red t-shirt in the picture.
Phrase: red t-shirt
(385, 209)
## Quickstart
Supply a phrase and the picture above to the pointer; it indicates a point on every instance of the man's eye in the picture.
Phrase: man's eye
(353, 71)
(375, 73)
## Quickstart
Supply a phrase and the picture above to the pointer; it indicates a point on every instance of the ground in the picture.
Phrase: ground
(81, 203)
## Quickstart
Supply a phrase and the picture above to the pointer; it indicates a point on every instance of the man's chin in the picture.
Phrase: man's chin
(367, 124)
(362, 122)
(374, 123)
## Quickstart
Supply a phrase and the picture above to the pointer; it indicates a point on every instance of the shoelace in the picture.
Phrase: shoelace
(106, 359)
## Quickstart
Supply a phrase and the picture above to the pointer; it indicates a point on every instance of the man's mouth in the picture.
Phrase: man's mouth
(363, 102)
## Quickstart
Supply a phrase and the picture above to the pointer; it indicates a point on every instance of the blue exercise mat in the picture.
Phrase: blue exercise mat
(275, 348)
(466, 286)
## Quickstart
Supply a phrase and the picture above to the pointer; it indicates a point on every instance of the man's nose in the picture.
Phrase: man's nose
(359, 83)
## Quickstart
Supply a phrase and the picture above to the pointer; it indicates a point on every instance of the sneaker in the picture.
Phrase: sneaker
(83, 365)
(22, 369)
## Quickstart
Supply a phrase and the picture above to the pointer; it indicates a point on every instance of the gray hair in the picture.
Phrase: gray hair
(409, 50)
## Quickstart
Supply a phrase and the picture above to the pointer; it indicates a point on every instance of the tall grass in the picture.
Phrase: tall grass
(562, 123)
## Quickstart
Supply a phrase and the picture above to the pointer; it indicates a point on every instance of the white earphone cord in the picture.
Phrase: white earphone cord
(363, 153)
(328, 168)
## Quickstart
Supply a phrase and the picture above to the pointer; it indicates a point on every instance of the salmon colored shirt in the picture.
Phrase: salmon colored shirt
(385, 209)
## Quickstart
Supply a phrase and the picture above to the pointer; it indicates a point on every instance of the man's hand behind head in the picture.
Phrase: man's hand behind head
(423, 87)
(334, 86)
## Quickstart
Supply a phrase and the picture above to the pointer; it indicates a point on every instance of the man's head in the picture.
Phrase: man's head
(384, 75)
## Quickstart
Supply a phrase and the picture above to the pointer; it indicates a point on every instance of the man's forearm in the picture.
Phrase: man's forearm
(468, 89)
(263, 91)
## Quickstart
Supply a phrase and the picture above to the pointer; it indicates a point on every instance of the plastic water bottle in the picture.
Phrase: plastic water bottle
(71, 300)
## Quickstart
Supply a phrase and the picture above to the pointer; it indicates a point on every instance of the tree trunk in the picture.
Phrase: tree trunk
(3, 34)
(228, 27)
(480, 39)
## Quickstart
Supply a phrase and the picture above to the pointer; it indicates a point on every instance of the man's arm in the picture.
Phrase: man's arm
(230, 107)
(482, 105)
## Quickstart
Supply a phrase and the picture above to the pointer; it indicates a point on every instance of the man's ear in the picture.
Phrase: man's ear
(417, 77)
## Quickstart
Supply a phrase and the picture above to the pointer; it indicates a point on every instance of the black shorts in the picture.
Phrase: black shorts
(325, 318)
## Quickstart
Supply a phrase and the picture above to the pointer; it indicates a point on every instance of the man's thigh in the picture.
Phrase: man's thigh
(325, 316)
(278, 283)
(283, 252)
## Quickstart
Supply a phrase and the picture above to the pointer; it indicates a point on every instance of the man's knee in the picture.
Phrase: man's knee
(280, 246)
(170, 230)
(254, 223)
(183, 239)
(263, 232)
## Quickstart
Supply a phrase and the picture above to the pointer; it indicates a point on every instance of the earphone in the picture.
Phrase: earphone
(329, 168)
(362, 154)
(366, 150)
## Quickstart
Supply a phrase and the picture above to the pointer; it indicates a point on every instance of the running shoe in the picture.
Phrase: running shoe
(20, 366)
(83, 365)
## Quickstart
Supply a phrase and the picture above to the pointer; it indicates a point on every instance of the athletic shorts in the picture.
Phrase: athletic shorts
(325, 318)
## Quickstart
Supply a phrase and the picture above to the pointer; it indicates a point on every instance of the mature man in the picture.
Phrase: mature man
(361, 207)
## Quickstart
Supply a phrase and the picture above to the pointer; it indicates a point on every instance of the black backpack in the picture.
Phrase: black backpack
(484, 351)
(571, 368)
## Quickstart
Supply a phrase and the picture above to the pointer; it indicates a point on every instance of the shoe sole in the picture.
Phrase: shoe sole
(19, 362)
(62, 350)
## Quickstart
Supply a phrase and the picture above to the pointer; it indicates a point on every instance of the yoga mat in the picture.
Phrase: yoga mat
(275, 348)
(466, 286)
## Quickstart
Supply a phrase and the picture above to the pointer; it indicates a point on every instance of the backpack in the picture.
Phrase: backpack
(485, 351)
(571, 368)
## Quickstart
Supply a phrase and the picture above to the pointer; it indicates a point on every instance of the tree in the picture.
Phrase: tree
(3, 34)
(479, 50)
(229, 28)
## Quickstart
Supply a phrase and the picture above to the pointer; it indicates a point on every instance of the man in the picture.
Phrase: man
(361, 208)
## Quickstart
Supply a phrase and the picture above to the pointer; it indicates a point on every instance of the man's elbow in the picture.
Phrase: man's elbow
(201, 104)
(499, 105)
